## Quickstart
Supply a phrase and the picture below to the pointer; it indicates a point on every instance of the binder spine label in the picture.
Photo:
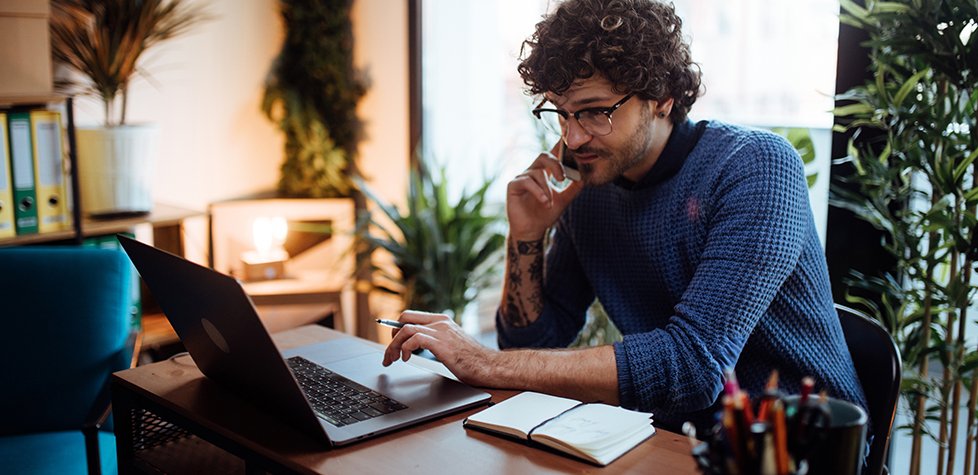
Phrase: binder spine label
(22, 165)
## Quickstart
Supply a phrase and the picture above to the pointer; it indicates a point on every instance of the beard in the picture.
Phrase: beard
(612, 163)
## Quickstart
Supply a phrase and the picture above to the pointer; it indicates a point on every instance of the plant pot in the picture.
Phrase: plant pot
(115, 168)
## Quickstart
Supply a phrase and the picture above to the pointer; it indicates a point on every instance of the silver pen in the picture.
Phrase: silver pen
(389, 323)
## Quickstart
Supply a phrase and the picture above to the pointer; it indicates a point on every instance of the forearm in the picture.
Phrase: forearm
(588, 375)
(522, 300)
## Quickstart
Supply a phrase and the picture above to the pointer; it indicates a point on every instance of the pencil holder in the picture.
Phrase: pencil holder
(844, 446)
(713, 458)
(788, 436)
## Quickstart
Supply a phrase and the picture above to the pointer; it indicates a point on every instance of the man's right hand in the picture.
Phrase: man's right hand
(532, 205)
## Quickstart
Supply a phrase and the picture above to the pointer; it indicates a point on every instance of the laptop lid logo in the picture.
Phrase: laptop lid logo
(215, 335)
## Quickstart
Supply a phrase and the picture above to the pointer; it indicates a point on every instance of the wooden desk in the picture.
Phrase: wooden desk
(169, 418)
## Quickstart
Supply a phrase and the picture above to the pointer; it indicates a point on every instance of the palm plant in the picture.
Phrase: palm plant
(916, 182)
(102, 41)
(445, 252)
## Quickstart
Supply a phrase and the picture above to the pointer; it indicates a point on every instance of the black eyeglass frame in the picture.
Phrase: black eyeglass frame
(607, 111)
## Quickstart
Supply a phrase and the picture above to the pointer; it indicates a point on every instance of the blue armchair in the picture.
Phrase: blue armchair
(66, 326)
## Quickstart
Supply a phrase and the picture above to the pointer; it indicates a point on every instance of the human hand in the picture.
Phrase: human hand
(532, 205)
(460, 353)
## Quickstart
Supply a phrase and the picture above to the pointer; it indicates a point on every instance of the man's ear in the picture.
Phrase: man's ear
(664, 108)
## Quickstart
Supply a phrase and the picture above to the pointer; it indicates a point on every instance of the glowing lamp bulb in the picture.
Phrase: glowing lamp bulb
(280, 230)
(262, 233)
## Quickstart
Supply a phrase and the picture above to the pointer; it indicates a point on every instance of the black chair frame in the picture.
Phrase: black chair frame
(880, 370)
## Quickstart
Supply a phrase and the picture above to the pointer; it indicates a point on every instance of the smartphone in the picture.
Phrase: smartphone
(570, 168)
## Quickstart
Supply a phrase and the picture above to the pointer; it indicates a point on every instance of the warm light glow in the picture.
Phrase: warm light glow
(269, 234)
(262, 232)
(280, 230)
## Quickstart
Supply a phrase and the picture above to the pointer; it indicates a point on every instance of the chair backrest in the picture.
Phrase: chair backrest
(879, 367)
(65, 314)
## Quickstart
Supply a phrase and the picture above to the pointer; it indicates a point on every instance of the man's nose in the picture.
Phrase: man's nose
(575, 135)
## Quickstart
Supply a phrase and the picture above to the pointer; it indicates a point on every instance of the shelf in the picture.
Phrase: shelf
(162, 215)
(10, 101)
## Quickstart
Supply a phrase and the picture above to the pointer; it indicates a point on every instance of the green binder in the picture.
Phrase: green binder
(22, 172)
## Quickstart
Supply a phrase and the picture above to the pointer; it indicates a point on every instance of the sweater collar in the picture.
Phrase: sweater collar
(682, 139)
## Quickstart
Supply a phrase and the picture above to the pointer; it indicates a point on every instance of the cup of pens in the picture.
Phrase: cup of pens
(775, 434)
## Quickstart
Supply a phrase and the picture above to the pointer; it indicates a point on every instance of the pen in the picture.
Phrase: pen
(770, 393)
(389, 323)
(807, 385)
(780, 433)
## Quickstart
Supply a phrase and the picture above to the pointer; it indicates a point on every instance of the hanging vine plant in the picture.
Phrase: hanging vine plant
(312, 93)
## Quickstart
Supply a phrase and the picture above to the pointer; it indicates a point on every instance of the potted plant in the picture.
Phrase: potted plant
(915, 181)
(445, 252)
(312, 93)
(100, 43)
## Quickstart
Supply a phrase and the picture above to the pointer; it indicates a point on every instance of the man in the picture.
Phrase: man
(698, 239)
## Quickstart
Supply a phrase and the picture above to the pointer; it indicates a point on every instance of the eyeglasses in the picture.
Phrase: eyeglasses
(596, 121)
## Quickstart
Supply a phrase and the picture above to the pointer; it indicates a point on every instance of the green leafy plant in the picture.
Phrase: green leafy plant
(312, 93)
(102, 41)
(445, 252)
(913, 153)
(801, 139)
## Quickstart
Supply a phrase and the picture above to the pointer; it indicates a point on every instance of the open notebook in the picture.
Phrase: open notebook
(597, 433)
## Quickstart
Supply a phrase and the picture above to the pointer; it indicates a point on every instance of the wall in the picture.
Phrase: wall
(204, 90)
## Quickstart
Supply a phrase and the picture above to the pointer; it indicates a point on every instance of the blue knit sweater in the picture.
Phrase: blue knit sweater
(710, 262)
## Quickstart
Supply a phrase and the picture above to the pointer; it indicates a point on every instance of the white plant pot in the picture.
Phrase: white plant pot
(115, 168)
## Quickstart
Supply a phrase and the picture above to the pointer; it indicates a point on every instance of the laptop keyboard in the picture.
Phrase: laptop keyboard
(336, 399)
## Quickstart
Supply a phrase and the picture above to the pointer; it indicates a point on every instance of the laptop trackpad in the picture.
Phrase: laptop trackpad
(333, 350)
(404, 382)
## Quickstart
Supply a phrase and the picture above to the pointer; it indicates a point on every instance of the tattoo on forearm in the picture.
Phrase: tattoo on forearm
(520, 302)
(528, 248)
(513, 274)
(535, 301)
(513, 313)
(536, 270)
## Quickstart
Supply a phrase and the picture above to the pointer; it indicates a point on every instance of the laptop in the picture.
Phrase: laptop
(337, 391)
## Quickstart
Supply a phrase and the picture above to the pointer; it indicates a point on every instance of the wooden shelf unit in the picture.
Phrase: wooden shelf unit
(162, 215)
(47, 101)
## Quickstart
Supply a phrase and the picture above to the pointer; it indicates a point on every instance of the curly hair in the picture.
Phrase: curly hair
(636, 44)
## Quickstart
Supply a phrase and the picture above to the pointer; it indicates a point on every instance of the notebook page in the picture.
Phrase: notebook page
(523, 412)
(594, 426)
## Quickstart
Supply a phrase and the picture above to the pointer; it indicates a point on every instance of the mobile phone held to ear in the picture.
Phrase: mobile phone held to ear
(570, 168)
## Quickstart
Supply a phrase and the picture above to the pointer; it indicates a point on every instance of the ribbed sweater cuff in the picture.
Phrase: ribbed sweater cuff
(626, 391)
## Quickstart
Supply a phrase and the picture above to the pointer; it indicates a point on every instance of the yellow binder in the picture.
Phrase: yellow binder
(6, 188)
(49, 169)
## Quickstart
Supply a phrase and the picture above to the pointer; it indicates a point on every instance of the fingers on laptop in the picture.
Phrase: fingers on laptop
(397, 348)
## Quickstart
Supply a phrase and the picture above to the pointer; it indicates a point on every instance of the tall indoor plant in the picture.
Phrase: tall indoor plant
(312, 93)
(914, 179)
(445, 252)
(100, 43)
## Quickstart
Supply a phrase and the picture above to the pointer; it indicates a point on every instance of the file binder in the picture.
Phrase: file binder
(49, 171)
(6, 189)
(22, 172)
